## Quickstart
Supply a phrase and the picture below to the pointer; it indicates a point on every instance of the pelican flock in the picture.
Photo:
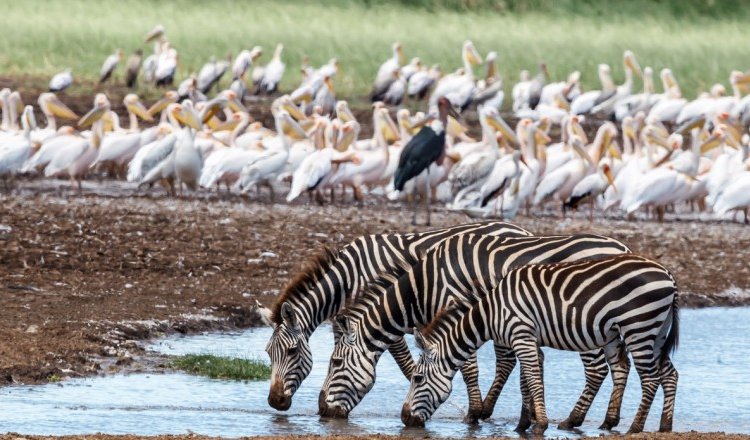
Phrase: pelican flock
(652, 151)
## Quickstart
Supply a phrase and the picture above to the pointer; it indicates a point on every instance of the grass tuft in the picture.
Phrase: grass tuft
(217, 367)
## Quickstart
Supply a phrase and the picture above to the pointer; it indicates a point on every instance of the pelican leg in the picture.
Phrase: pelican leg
(333, 195)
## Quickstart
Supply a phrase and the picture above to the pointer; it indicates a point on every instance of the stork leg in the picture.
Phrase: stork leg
(414, 205)
(427, 197)
(591, 210)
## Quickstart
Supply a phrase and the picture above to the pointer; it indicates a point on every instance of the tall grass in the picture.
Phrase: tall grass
(701, 46)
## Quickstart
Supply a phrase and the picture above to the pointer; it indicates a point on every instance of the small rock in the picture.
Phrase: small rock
(254, 261)
(320, 235)
(128, 286)
(246, 294)
(225, 221)
(32, 329)
(268, 254)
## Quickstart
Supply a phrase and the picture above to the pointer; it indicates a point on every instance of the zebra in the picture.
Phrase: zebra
(618, 303)
(458, 269)
(324, 286)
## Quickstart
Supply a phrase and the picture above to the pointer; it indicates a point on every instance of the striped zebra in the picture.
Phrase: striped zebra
(458, 269)
(621, 303)
(329, 282)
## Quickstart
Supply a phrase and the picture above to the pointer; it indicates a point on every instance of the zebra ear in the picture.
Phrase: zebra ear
(264, 314)
(288, 315)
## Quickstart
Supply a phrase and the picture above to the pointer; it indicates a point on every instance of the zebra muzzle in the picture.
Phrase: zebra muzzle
(278, 399)
(326, 409)
(410, 419)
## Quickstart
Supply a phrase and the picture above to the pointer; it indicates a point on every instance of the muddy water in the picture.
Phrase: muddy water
(712, 394)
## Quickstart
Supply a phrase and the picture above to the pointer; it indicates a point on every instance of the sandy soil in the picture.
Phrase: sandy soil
(85, 278)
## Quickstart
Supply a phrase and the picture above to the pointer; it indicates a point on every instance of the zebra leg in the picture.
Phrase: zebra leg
(619, 365)
(528, 413)
(669, 383)
(596, 370)
(649, 375)
(528, 354)
(470, 373)
(401, 354)
(505, 361)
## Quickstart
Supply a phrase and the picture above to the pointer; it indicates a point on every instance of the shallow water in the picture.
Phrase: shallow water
(712, 393)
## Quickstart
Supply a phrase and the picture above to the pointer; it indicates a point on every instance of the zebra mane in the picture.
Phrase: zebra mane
(375, 289)
(449, 315)
(311, 272)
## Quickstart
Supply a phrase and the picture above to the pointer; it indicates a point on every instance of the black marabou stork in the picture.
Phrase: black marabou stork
(423, 149)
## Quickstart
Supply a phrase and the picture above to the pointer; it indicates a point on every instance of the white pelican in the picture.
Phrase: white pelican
(187, 160)
(643, 101)
(52, 108)
(588, 100)
(118, 148)
(590, 188)
(151, 154)
(225, 165)
(533, 150)
(132, 67)
(387, 73)
(244, 60)
(606, 103)
(735, 197)
(562, 180)
(527, 92)
(315, 167)
(267, 166)
(64, 136)
(75, 158)
(273, 72)
(671, 102)
(13, 155)
(716, 103)
(110, 64)
(61, 81)
(569, 89)
(459, 87)
(490, 89)
(371, 163)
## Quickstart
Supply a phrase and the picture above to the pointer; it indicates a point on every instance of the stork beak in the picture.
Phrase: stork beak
(139, 110)
(743, 79)
(60, 110)
(419, 124)
(523, 161)
(92, 116)
(610, 177)
(329, 83)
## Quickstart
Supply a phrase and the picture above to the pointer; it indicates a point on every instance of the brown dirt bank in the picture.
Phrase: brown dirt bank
(83, 278)
(646, 436)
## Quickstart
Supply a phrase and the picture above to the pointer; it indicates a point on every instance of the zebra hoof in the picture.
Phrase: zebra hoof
(635, 429)
(664, 427)
(471, 419)
(539, 429)
(486, 414)
(609, 423)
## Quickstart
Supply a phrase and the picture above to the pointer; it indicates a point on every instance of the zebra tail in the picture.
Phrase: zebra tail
(673, 338)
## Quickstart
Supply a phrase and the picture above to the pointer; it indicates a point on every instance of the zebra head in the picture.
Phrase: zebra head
(431, 384)
(351, 373)
(291, 359)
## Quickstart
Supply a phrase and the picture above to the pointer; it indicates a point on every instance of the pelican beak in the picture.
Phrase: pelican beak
(473, 56)
(292, 129)
(139, 110)
(92, 116)
(236, 105)
(347, 137)
(390, 131)
(633, 65)
(160, 105)
(698, 122)
(454, 127)
(211, 110)
(229, 124)
(578, 147)
(541, 137)
(501, 126)
(189, 118)
(294, 111)
(57, 108)
(712, 142)
(743, 79)
(400, 51)
(614, 151)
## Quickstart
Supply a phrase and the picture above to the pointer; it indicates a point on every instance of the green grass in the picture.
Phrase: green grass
(701, 40)
(217, 367)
